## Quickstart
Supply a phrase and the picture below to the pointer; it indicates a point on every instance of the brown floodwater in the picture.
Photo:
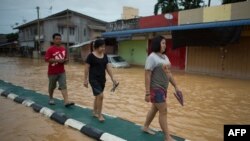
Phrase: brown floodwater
(210, 102)
(19, 123)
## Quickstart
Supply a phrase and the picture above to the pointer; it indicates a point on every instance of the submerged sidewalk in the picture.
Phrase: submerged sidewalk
(80, 117)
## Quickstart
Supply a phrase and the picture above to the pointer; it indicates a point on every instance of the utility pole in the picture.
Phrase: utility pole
(38, 31)
(209, 3)
(68, 53)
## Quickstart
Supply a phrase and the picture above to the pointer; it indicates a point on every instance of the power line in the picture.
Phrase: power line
(7, 9)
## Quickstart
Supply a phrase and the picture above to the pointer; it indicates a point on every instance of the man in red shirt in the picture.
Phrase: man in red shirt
(56, 56)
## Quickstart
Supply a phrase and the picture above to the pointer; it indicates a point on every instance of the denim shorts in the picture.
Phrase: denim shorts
(158, 95)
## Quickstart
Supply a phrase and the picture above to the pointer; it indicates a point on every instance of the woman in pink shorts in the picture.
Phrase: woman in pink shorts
(157, 78)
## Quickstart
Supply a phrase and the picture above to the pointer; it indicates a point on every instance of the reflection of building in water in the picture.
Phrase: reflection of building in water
(130, 12)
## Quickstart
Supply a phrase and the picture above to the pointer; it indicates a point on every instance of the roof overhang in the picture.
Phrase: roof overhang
(179, 27)
(81, 44)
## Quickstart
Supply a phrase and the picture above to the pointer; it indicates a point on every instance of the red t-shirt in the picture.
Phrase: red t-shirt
(55, 53)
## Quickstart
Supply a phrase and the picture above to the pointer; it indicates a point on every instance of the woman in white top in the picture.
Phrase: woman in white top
(157, 78)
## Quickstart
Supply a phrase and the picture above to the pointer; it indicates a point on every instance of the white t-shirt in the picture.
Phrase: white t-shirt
(155, 60)
(157, 64)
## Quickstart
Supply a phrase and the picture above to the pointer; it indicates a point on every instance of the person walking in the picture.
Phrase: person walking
(157, 78)
(96, 65)
(56, 57)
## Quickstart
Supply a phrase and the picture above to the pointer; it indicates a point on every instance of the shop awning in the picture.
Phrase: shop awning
(8, 43)
(81, 44)
(5, 44)
(212, 37)
(179, 27)
(96, 27)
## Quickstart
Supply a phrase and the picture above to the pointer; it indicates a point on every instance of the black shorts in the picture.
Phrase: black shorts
(97, 87)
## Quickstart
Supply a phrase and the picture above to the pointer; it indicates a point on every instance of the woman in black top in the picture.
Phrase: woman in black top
(96, 65)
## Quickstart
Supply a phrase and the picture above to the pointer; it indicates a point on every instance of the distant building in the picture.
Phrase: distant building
(3, 38)
(8, 47)
(210, 40)
(81, 28)
(130, 12)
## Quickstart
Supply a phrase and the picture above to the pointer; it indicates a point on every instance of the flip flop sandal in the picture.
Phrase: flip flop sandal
(51, 102)
(69, 104)
(114, 87)
(179, 97)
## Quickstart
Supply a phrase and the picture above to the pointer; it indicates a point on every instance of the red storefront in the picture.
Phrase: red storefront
(176, 56)
(163, 20)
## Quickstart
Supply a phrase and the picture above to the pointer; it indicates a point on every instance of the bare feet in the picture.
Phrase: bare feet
(169, 138)
(148, 130)
(95, 115)
(101, 118)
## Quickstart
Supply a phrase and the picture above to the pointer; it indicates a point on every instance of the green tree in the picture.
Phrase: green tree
(166, 6)
(190, 4)
(231, 1)
(12, 37)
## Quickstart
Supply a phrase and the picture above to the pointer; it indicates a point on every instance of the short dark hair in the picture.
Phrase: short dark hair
(56, 34)
(98, 43)
(156, 43)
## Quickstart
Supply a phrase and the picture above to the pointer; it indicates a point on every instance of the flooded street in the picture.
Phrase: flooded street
(210, 102)
(31, 126)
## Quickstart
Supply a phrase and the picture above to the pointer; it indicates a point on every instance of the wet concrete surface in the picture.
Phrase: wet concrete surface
(210, 102)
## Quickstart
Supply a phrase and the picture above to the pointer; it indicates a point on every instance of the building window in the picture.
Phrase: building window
(85, 32)
(71, 31)
(28, 33)
(60, 29)
(31, 32)
(35, 31)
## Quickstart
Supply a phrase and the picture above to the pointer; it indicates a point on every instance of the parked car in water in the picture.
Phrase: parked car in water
(117, 61)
